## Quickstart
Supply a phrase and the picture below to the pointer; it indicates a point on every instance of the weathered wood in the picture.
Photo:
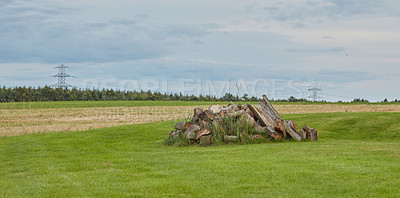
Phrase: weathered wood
(175, 134)
(207, 115)
(180, 126)
(191, 131)
(187, 125)
(202, 132)
(230, 138)
(279, 126)
(311, 133)
(292, 133)
(268, 110)
(215, 109)
(196, 114)
(260, 116)
(206, 140)
(274, 134)
(248, 111)
(303, 134)
(250, 120)
(204, 124)
(236, 114)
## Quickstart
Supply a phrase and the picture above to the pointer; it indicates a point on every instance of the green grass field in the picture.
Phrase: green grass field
(358, 155)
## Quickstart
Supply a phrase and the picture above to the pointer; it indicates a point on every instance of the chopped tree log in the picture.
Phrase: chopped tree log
(187, 125)
(292, 132)
(197, 113)
(268, 110)
(206, 140)
(303, 134)
(215, 109)
(274, 134)
(191, 131)
(250, 119)
(260, 116)
(202, 133)
(204, 124)
(230, 138)
(180, 126)
(248, 111)
(279, 126)
(236, 114)
(175, 134)
(311, 133)
(207, 115)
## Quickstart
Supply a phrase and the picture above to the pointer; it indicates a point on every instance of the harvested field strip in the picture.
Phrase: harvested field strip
(23, 121)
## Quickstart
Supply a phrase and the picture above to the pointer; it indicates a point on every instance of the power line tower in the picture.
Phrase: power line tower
(314, 93)
(61, 77)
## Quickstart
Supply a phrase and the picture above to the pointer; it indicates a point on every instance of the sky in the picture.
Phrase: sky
(347, 48)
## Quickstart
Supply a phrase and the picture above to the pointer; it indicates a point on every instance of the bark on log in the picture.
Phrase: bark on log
(311, 133)
(206, 140)
(207, 115)
(197, 113)
(250, 119)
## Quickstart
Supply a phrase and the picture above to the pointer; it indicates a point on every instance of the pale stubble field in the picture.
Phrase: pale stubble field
(24, 121)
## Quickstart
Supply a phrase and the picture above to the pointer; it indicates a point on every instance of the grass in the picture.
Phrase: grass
(358, 155)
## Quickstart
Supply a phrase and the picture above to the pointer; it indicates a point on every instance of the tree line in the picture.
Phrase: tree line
(47, 93)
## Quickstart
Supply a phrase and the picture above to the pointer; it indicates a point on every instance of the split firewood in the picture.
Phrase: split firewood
(311, 133)
(180, 126)
(215, 109)
(292, 132)
(260, 116)
(274, 134)
(187, 125)
(197, 113)
(202, 132)
(279, 126)
(236, 114)
(191, 131)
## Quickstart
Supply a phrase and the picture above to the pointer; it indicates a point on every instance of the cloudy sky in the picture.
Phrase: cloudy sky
(348, 48)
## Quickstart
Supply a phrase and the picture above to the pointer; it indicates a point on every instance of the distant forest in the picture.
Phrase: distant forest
(47, 93)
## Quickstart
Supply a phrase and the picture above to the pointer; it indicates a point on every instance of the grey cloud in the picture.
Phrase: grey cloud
(35, 34)
(327, 50)
(320, 11)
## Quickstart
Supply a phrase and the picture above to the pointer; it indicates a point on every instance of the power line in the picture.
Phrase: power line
(314, 93)
(62, 75)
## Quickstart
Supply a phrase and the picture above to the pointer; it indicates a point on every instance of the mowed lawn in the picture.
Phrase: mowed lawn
(358, 155)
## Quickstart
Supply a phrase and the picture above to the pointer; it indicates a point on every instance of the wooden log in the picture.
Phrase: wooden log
(274, 134)
(311, 133)
(187, 125)
(265, 121)
(196, 115)
(250, 120)
(202, 133)
(268, 110)
(206, 140)
(215, 109)
(292, 133)
(191, 131)
(279, 126)
(230, 138)
(303, 134)
(207, 115)
(236, 114)
(257, 137)
(180, 126)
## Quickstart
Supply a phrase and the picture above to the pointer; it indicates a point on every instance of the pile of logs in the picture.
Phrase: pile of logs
(263, 116)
